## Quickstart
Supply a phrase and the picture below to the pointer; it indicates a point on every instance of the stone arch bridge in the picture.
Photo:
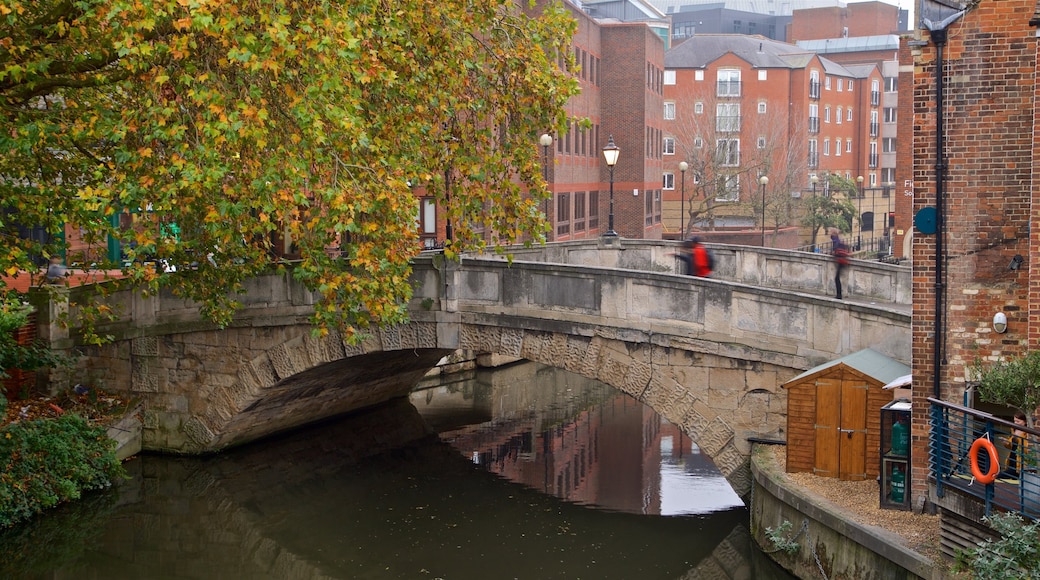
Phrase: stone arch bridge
(710, 355)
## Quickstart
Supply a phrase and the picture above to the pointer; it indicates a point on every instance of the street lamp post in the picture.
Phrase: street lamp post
(546, 141)
(763, 181)
(859, 215)
(683, 166)
(610, 156)
(814, 180)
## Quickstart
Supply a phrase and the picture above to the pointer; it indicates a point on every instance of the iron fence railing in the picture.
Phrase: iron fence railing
(954, 430)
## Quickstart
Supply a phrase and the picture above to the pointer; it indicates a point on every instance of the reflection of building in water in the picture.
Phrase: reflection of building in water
(577, 439)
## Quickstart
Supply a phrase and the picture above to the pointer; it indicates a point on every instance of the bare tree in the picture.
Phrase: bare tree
(728, 148)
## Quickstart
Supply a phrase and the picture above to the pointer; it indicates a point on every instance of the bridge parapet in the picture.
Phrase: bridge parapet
(753, 265)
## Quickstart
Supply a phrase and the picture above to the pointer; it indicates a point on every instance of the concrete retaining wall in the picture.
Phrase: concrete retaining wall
(831, 545)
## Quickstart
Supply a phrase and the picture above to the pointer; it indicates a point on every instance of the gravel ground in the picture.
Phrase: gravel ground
(860, 499)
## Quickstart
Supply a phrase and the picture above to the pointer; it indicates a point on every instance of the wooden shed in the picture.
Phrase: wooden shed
(834, 415)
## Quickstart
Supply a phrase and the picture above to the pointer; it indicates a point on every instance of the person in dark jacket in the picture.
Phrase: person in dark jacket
(840, 251)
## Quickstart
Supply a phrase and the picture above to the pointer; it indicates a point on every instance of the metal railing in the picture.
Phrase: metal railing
(954, 429)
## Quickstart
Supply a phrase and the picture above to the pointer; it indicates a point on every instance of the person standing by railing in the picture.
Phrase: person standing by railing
(1019, 446)
(841, 259)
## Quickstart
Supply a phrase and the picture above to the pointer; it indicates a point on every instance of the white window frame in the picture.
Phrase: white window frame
(848, 115)
(729, 186)
(838, 115)
(761, 107)
(669, 111)
(698, 108)
(698, 75)
(668, 181)
(669, 77)
(761, 142)
(727, 152)
(726, 78)
(668, 146)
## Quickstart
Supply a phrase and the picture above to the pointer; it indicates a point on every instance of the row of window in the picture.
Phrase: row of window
(587, 63)
(578, 212)
(579, 140)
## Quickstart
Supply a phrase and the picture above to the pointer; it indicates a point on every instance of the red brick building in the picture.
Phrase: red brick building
(742, 107)
(621, 71)
(975, 165)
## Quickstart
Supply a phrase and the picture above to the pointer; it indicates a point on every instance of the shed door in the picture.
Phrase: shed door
(841, 429)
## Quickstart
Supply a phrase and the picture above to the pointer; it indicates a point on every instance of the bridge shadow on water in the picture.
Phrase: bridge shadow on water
(372, 495)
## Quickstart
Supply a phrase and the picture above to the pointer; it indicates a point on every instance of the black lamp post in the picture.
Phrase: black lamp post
(859, 215)
(763, 181)
(683, 166)
(610, 156)
(546, 141)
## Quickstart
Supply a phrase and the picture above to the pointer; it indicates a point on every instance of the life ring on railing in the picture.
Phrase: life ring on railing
(994, 461)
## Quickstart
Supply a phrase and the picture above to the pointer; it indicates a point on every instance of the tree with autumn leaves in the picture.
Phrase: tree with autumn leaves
(237, 123)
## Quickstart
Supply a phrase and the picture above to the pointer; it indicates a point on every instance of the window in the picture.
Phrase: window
(762, 107)
(727, 188)
(837, 147)
(698, 107)
(841, 84)
(890, 114)
(668, 182)
(827, 114)
(814, 84)
(579, 211)
(814, 154)
(850, 85)
(669, 111)
(891, 84)
(563, 214)
(848, 115)
(763, 75)
(848, 146)
(593, 210)
(428, 222)
(698, 75)
(669, 77)
(727, 152)
(837, 116)
(888, 145)
(827, 82)
(698, 143)
(826, 147)
(761, 142)
(729, 83)
(727, 117)
(669, 146)
(888, 175)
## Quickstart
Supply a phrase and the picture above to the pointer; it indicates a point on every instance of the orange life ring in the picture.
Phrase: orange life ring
(994, 462)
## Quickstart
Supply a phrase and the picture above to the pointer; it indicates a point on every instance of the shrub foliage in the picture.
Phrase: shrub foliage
(45, 462)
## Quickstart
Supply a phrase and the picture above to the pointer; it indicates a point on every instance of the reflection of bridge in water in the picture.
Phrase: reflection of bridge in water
(707, 354)
(577, 439)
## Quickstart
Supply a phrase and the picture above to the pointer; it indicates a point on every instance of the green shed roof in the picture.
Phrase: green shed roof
(867, 361)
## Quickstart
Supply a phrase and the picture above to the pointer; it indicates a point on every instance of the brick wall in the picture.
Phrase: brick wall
(990, 74)
(19, 381)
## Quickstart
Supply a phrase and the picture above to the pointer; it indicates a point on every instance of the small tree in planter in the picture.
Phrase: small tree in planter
(1015, 383)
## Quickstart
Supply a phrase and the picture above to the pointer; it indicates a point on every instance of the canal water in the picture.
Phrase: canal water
(524, 471)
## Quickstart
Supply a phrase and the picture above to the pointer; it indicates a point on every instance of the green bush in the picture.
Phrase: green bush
(1014, 556)
(49, 461)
